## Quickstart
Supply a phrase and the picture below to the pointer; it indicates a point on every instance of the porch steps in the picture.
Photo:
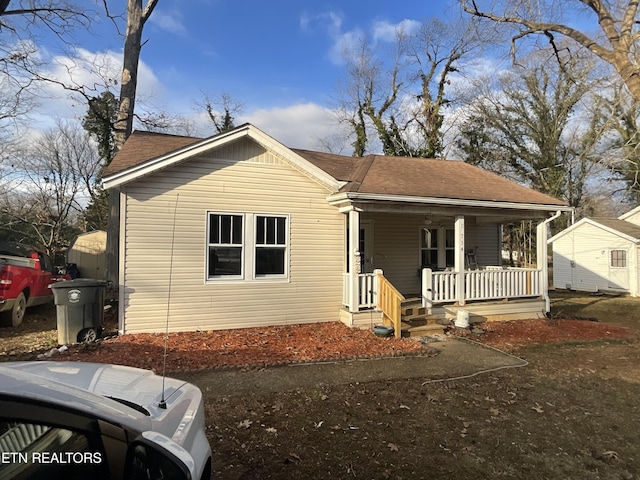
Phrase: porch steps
(416, 320)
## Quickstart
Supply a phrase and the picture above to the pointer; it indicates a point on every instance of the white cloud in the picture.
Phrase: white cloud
(384, 31)
(170, 21)
(330, 21)
(297, 126)
(93, 70)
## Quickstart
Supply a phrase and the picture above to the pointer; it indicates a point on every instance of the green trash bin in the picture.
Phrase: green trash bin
(79, 309)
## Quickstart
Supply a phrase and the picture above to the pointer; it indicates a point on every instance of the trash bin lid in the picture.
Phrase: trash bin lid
(79, 283)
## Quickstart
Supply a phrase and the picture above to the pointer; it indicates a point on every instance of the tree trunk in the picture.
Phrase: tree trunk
(136, 19)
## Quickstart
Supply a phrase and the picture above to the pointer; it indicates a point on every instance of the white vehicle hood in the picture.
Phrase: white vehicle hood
(135, 385)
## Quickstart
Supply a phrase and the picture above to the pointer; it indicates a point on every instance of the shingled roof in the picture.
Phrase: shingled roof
(421, 177)
(373, 174)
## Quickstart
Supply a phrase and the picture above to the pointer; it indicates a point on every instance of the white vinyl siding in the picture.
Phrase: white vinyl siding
(582, 259)
(262, 184)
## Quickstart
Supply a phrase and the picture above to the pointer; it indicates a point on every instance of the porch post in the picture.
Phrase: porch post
(459, 258)
(354, 259)
(541, 260)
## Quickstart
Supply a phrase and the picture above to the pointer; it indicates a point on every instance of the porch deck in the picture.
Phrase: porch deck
(490, 294)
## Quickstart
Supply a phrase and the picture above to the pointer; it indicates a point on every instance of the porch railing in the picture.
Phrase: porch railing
(375, 291)
(367, 291)
(490, 283)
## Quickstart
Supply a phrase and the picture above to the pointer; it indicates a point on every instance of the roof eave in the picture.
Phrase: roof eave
(341, 198)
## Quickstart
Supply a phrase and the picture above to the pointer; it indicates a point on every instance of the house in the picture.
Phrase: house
(238, 230)
(599, 254)
(87, 253)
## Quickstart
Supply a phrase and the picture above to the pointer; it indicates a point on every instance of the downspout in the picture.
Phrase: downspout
(542, 261)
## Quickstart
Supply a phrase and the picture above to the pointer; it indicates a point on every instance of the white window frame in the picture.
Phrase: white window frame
(249, 247)
(242, 246)
(619, 257)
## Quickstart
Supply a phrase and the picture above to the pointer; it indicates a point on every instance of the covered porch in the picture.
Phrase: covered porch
(421, 262)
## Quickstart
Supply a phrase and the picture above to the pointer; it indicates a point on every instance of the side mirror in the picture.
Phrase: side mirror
(153, 456)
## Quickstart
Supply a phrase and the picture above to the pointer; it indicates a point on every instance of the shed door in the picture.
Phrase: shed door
(619, 269)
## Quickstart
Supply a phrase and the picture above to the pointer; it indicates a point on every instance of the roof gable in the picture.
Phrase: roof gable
(146, 153)
(614, 226)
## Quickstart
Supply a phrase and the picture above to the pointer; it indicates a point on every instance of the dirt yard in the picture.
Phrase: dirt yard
(572, 413)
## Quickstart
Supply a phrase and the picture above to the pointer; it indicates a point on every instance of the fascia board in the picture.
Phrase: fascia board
(351, 196)
(133, 173)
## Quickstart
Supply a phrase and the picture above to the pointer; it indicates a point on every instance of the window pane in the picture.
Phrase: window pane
(237, 230)
(271, 231)
(270, 261)
(281, 231)
(225, 261)
(214, 228)
(450, 258)
(225, 229)
(260, 230)
(449, 238)
(429, 238)
(430, 259)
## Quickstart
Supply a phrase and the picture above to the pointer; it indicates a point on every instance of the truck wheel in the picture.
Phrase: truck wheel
(18, 310)
(87, 335)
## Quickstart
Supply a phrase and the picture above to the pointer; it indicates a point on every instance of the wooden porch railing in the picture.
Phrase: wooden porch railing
(367, 293)
(489, 283)
(389, 302)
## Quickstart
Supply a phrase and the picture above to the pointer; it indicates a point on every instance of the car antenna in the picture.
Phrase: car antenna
(163, 401)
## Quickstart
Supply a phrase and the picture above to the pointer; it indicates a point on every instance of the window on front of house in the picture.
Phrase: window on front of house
(225, 245)
(247, 246)
(429, 248)
(619, 258)
(271, 245)
(450, 247)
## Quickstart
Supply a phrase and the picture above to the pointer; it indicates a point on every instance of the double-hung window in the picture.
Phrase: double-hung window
(247, 246)
(271, 245)
(225, 245)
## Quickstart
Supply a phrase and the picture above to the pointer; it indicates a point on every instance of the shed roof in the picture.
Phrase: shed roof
(615, 226)
(373, 174)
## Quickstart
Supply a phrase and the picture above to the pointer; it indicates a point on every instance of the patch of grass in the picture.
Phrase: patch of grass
(618, 310)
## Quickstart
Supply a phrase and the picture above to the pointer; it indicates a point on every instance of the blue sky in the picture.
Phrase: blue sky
(280, 59)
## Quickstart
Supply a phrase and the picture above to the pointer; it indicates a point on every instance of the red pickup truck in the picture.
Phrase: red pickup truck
(25, 276)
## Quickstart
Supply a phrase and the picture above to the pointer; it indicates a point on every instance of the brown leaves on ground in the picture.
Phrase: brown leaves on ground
(511, 335)
(247, 347)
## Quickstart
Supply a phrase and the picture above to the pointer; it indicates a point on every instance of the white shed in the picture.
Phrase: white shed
(88, 253)
(599, 254)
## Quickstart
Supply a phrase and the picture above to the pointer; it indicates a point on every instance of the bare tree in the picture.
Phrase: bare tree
(400, 99)
(20, 61)
(615, 24)
(53, 180)
(222, 110)
(527, 127)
